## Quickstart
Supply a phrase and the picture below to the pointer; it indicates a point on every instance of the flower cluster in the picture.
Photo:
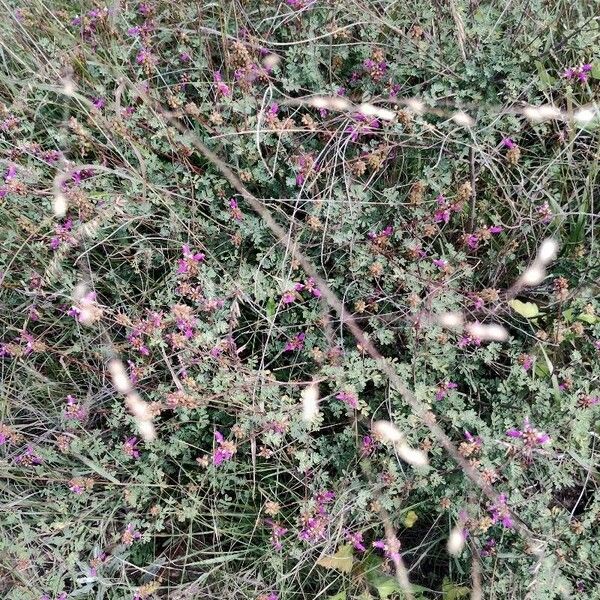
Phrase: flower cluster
(130, 447)
(356, 539)
(445, 208)
(362, 125)
(130, 535)
(500, 513)
(580, 73)
(296, 343)
(74, 411)
(315, 522)
(224, 450)
(443, 388)
(348, 398)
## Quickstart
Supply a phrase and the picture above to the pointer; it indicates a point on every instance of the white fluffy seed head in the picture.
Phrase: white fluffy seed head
(387, 431)
(534, 275)
(331, 102)
(548, 251)
(539, 114)
(370, 110)
(119, 376)
(584, 115)
(139, 409)
(68, 86)
(451, 320)
(310, 402)
(146, 430)
(492, 332)
(456, 541)
(416, 105)
(271, 61)
(60, 205)
(414, 457)
(463, 119)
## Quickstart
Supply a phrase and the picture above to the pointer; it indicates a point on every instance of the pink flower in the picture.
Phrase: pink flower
(440, 263)
(500, 513)
(130, 535)
(222, 87)
(348, 398)
(74, 410)
(443, 389)
(224, 451)
(472, 241)
(367, 446)
(356, 539)
(530, 436)
(190, 259)
(130, 447)
(527, 362)
(277, 532)
(288, 297)
(508, 143)
(296, 343)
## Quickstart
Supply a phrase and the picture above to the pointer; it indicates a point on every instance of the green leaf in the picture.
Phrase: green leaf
(340, 596)
(545, 78)
(340, 561)
(452, 591)
(410, 519)
(590, 319)
(596, 70)
(271, 307)
(529, 310)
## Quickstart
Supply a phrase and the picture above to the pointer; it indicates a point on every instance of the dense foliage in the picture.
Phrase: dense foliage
(121, 239)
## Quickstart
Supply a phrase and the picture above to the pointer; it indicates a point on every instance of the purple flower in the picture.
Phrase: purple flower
(288, 297)
(472, 241)
(500, 513)
(222, 87)
(508, 143)
(496, 229)
(224, 451)
(348, 398)
(530, 436)
(356, 539)
(277, 532)
(367, 445)
(98, 103)
(130, 447)
(443, 389)
(440, 263)
(29, 457)
(296, 343)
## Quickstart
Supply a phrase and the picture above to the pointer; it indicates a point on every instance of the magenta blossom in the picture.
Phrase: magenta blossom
(500, 513)
(277, 532)
(531, 437)
(508, 143)
(367, 446)
(222, 87)
(296, 343)
(288, 297)
(443, 389)
(224, 450)
(356, 539)
(189, 260)
(130, 447)
(348, 398)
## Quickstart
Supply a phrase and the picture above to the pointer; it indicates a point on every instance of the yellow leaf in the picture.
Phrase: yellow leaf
(341, 561)
(529, 310)
(411, 518)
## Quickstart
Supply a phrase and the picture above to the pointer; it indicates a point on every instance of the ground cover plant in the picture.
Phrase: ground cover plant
(299, 300)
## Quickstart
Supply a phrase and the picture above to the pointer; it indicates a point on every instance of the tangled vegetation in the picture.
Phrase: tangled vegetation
(299, 300)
